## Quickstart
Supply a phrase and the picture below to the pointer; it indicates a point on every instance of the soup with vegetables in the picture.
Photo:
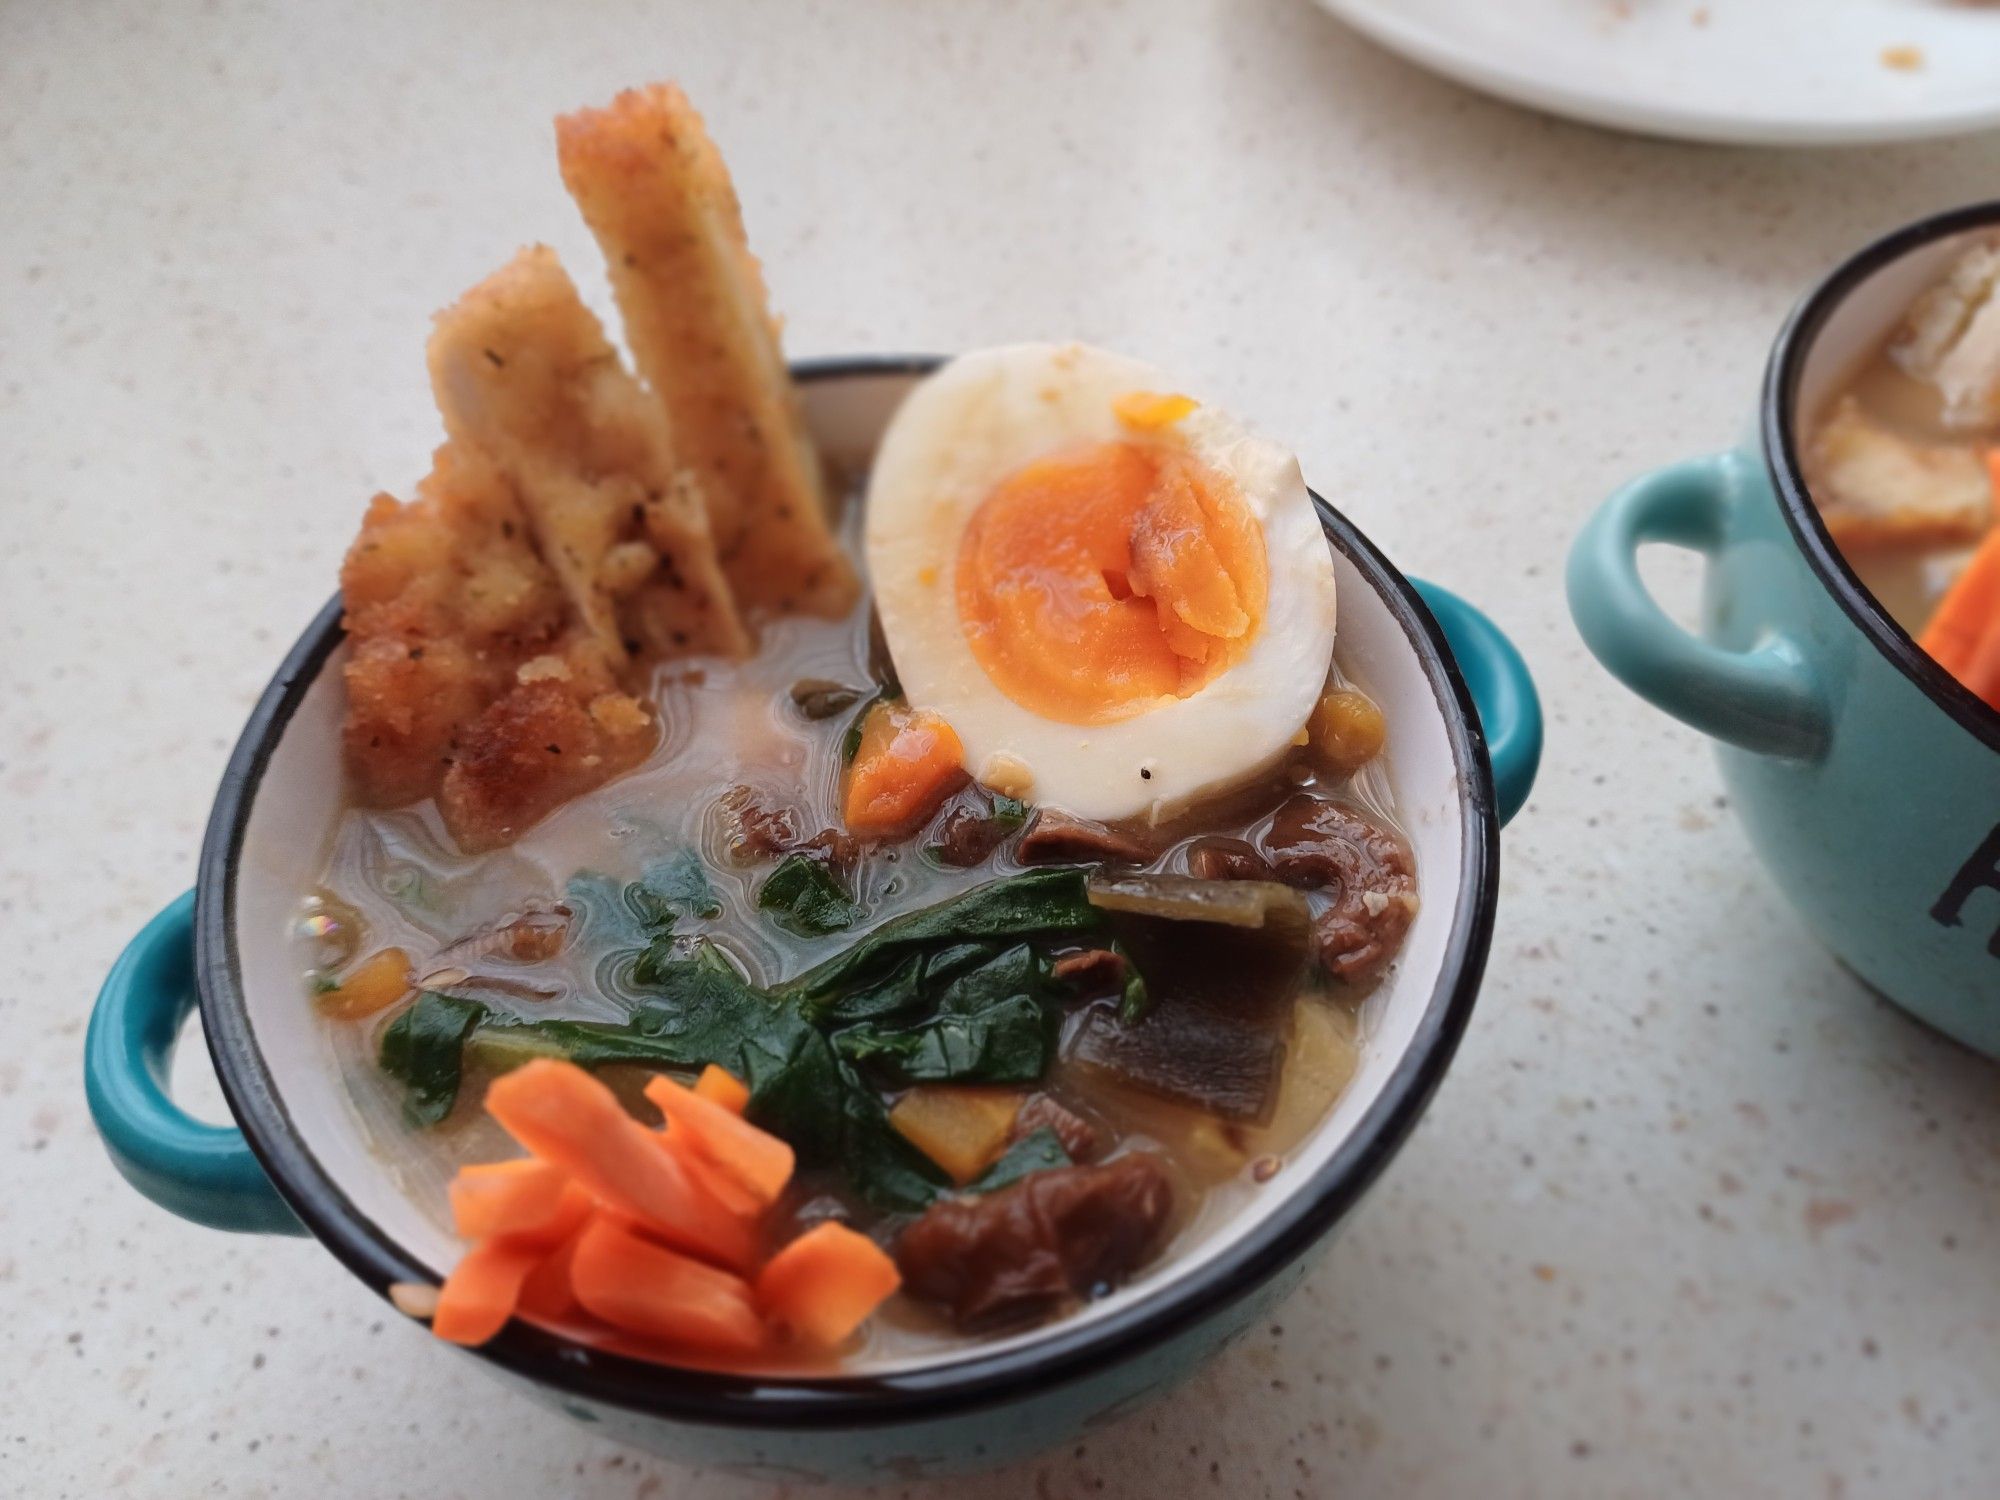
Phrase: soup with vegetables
(782, 919)
(1903, 462)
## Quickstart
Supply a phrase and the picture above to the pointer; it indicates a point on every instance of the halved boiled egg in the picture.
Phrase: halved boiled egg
(1117, 597)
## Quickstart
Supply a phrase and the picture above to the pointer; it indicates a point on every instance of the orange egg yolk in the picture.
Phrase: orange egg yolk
(1096, 584)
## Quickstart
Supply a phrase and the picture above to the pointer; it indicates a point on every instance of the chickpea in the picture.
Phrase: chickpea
(1347, 731)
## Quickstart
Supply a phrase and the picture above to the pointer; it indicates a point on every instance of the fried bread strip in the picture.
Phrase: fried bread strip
(467, 676)
(523, 374)
(445, 598)
(655, 192)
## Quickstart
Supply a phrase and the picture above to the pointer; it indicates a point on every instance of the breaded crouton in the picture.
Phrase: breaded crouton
(655, 192)
(1875, 488)
(445, 597)
(532, 749)
(523, 375)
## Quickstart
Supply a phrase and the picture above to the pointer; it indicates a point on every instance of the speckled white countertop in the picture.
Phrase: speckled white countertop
(1693, 1213)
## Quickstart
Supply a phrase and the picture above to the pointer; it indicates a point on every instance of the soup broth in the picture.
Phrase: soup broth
(773, 725)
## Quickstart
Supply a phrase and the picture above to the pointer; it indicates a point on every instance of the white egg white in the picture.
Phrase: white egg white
(978, 420)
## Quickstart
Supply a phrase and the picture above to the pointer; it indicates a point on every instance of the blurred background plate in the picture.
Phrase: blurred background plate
(1772, 72)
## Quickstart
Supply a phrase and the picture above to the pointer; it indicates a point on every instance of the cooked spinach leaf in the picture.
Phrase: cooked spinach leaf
(671, 888)
(952, 993)
(424, 1050)
(704, 1012)
(1040, 902)
(1037, 1151)
(806, 898)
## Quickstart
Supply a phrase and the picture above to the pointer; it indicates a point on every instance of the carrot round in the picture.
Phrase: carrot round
(909, 761)
(483, 1289)
(572, 1121)
(644, 1289)
(724, 1088)
(827, 1282)
(755, 1159)
(505, 1197)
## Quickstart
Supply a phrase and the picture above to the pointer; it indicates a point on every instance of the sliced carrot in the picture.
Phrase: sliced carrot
(505, 1197)
(720, 1185)
(572, 1121)
(1982, 672)
(483, 1289)
(547, 1292)
(1969, 605)
(909, 761)
(827, 1282)
(644, 1289)
(755, 1159)
(724, 1088)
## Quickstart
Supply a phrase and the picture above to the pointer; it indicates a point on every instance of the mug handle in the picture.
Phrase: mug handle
(1503, 692)
(1765, 700)
(199, 1171)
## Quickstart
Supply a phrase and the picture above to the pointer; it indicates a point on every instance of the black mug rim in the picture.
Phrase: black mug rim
(975, 1381)
(1782, 377)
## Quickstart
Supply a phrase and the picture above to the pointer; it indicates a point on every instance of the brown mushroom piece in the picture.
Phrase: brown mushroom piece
(1015, 1255)
(761, 831)
(1217, 858)
(1319, 844)
(969, 833)
(1054, 837)
(1081, 1139)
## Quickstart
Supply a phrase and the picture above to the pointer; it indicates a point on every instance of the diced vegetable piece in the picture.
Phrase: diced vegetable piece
(373, 985)
(647, 1290)
(1209, 1150)
(755, 1159)
(907, 763)
(1319, 1064)
(483, 1290)
(1969, 606)
(1183, 898)
(505, 1197)
(723, 1086)
(1347, 731)
(1214, 1036)
(962, 1129)
(827, 1282)
(566, 1117)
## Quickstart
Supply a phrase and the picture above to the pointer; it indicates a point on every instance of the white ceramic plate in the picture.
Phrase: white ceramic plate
(1770, 72)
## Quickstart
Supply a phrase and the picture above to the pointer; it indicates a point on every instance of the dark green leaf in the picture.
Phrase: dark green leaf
(1027, 905)
(1010, 1042)
(1008, 812)
(1134, 998)
(670, 889)
(804, 897)
(424, 1050)
(1037, 1151)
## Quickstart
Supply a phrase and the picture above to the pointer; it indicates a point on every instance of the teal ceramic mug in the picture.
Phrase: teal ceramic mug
(1867, 778)
(1465, 735)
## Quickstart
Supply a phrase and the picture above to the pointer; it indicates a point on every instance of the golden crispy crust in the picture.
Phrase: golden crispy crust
(445, 598)
(655, 192)
(532, 749)
(523, 374)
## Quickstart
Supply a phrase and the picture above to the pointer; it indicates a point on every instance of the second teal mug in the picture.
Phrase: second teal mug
(1867, 778)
